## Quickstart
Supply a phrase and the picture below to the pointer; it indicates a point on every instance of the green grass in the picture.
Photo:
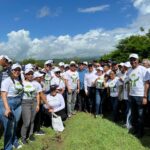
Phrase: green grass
(84, 132)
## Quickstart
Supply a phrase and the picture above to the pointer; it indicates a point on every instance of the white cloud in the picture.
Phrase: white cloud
(142, 5)
(43, 12)
(93, 9)
(95, 42)
(46, 11)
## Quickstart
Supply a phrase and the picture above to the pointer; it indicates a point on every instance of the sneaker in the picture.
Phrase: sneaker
(74, 113)
(69, 116)
(40, 132)
(24, 141)
(32, 138)
(17, 146)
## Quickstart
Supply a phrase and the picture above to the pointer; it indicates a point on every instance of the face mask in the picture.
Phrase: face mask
(1, 68)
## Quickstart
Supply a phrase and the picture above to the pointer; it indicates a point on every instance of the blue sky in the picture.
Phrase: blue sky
(51, 26)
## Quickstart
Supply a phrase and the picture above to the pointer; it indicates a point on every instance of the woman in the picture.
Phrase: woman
(113, 85)
(56, 101)
(57, 80)
(10, 106)
(99, 83)
(30, 105)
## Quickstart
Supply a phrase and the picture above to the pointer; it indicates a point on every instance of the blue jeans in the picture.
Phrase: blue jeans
(99, 100)
(137, 117)
(114, 102)
(10, 125)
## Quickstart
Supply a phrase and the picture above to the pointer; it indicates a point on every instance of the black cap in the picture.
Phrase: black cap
(53, 87)
(90, 65)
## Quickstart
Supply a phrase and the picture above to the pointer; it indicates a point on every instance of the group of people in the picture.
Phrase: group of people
(33, 94)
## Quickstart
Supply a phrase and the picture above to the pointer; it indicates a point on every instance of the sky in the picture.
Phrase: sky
(45, 29)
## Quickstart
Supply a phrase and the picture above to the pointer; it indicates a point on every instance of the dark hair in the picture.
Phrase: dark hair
(53, 87)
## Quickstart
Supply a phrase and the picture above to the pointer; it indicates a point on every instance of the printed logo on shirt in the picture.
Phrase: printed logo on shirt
(99, 83)
(74, 78)
(133, 80)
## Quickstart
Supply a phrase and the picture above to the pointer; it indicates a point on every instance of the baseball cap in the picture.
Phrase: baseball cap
(49, 62)
(99, 68)
(85, 63)
(72, 62)
(134, 56)
(14, 66)
(56, 69)
(127, 64)
(29, 66)
(61, 64)
(37, 74)
(28, 70)
(5, 57)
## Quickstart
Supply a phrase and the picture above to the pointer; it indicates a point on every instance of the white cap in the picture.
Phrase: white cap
(5, 56)
(49, 62)
(99, 68)
(127, 64)
(85, 62)
(121, 64)
(56, 69)
(29, 66)
(134, 56)
(61, 64)
(37, 74)
(14, 66)
(66, 65)
(28, 70)
(72, 62)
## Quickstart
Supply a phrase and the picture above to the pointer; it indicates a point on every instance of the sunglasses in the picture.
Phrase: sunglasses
(58, 72)
(133, 59)
(17, 70)
(49, 65)
(29, 74)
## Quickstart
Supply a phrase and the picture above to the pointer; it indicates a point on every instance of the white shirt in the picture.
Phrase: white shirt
(99, 82)
(89, 80)
(114, 86)
(12, 89)
(137, 78)
(56, 102)
(59, 82)
(31, 89)
(72, 78)
(47, 80)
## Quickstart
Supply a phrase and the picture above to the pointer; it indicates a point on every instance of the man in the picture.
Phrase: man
(73, 87)
(81, 95)
(89, 88)
(4, 63)
(136, 76)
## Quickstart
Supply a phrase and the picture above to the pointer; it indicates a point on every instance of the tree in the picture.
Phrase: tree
(133, 44)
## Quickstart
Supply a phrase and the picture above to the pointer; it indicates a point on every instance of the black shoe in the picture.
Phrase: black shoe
(41, 132)
(132, 131)
(32, 138)
(24, 141)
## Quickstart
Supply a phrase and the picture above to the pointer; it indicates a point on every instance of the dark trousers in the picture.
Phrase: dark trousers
(114, 102)
(80, 104)
(48, 116)
(137, 114)
(91, 100)
(38, 120)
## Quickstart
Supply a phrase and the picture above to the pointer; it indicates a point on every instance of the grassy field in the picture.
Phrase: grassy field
(84, 132)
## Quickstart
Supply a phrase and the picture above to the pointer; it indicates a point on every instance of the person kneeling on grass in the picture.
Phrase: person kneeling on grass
(56, 101)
